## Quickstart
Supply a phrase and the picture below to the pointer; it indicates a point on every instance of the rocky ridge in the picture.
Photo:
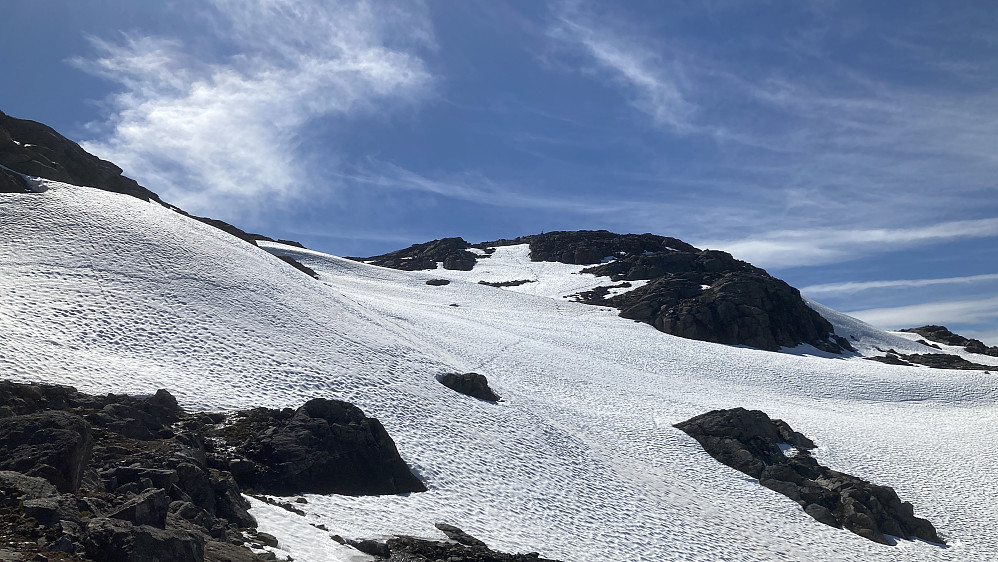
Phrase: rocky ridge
(940, 334)
(698, 294)
(779, 457)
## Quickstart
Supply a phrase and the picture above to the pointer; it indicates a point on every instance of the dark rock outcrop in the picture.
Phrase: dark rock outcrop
(148, 481)
(451, 252)
(932, 360)
(299, 266)
(698, 294)
(326, 446)
(749, 441)
(437, 282)
(35, 149)
(11, 182)
(941, 334)
(461, 546)
(472, 384)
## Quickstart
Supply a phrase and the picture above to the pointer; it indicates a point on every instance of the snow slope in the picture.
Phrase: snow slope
(579, 462)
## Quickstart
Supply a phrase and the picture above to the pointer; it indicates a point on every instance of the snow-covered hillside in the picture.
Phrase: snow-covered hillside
(579, 462)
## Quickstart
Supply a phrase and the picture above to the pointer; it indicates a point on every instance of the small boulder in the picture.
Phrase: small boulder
(472, 384)
(438, 282)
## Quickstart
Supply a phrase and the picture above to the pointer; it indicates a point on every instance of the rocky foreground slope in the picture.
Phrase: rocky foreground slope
(699, 294)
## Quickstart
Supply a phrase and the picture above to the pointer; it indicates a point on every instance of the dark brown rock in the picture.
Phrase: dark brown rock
(11, 182)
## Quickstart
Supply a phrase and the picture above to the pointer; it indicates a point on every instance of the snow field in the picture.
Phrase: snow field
(579, 462)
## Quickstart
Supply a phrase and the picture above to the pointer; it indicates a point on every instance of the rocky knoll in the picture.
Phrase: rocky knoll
(751, 442)
(452, 253)
(941, 334)
(124, 478)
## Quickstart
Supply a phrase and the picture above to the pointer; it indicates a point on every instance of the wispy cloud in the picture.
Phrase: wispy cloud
(857, 286)
(208, 131)
(787, 248)
(942, 312)
(654, 83)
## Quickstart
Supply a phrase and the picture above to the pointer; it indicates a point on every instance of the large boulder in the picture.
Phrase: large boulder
(53, 445)
(770, 450)
(325, 447)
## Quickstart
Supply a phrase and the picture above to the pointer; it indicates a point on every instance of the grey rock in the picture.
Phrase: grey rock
(148, 508)
(53, 445)
(26, 487)
(113, 540)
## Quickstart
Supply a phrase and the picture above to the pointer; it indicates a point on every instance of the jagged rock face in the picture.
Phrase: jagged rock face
(451, 252)
(932, 360)
(941, 334)
(35, 149)
(325, 447)
(749, 441)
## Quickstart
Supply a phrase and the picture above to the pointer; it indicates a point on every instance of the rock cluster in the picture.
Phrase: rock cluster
(452, 253)
(472, 384)
(126, 478)
(461, 547)
(941, 334)
(749, 441)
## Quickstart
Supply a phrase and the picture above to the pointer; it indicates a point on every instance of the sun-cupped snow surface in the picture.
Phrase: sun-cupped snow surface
(579, 461)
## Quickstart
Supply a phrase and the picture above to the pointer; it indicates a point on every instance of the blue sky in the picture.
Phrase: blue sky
(851, 148)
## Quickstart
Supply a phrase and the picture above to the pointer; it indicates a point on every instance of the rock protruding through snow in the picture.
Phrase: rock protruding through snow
(323, 447)
(941, 334)
(749, 441)
(461, 546)
(472, 384)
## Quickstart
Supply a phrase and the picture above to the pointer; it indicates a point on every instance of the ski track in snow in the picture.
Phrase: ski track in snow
(579, 462)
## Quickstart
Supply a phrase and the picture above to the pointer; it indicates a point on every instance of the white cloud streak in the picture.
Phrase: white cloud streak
(941, 312)
(788, 248)
(213, 134)
(858, 286)
(655, 84)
